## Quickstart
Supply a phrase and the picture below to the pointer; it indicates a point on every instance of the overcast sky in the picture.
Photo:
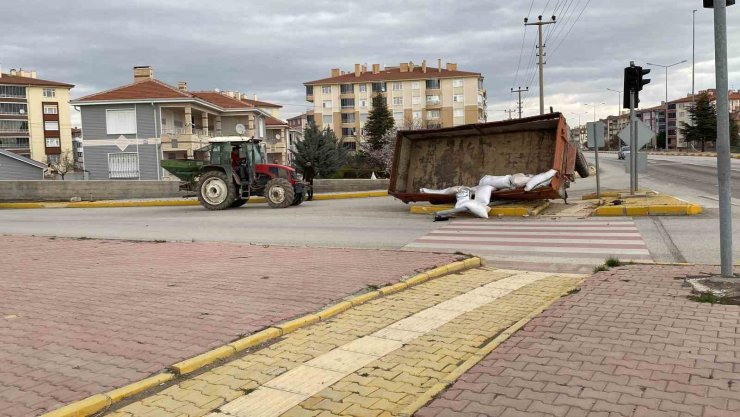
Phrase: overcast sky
(271, 48)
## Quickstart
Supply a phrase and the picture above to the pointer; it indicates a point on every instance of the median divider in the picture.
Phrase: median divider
(643, 203)
(168, 202)
(100, 402)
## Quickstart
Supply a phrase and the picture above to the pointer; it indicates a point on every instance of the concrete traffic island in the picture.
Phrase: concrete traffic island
(512, 209)
(643, 203)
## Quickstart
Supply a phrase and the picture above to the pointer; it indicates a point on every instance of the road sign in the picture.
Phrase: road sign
(595, 133)
(641, 163)
(644, 135)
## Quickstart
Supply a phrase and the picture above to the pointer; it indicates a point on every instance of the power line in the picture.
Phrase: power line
(566, 17)
(521, 52)
(545, 8)
(571, 27)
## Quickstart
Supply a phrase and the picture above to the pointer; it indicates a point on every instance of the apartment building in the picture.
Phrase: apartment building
(34, 116)
(129, 129)
(419, 96)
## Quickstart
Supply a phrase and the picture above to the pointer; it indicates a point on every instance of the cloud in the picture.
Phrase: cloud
(271, 48)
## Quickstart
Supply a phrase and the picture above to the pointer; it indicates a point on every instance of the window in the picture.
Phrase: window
(416, 100)
(398, 117)
(398, 101)
(378, 87)
(123, 165)
(363, 88)
(459, 112)
(433, 114)
(13, 108)
(350, 146)
(397, 86)
(120, 122)
(458, 98)
(348, 131)
(326, 89)
(52, 159)
(434, 84)
(458, 82)
(50, 92)
(363, 118)
(416, 115)
(415, 85)
(346, 88)
(326, 104)
(11, 126)
(348, 117)
(309, 90)
(51, 109)
(51, 125)
(14, 143)
(432, 100)
(52, 142)
(363, 103)
(12, 91)
(327, 119)
(348, 103)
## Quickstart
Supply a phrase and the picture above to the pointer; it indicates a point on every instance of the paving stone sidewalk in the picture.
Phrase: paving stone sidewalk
(78, 317)
(629, 343)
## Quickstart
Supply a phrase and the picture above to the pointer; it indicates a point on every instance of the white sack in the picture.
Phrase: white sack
(496, 181)
(476, 207)
(447, 191)
(540, 180)
(520, 180)
(462, 196)
(483, 194)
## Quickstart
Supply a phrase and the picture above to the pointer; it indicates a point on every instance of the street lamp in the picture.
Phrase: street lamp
(619, 107)
(666, 98)
(693, 54)
(596, 152)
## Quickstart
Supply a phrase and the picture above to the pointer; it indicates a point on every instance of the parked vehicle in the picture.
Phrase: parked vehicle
(623, 152)
(235, 171)
(461, 155)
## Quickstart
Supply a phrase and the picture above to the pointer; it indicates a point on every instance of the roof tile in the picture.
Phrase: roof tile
(394, 74)
(28, 81)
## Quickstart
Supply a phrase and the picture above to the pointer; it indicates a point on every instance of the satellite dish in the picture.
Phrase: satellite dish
(277, 136)
(240, 129)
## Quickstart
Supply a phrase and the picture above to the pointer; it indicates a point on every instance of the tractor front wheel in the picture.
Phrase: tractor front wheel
(216, 191)
(279, 193)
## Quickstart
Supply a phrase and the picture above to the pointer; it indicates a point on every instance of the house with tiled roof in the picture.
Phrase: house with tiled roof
(34, 116)
(129, 129)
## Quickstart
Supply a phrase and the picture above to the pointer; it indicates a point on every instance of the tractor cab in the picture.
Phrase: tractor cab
(237, 170)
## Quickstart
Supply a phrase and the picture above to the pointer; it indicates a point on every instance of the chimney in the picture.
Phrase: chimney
(13, 72)
(255, 97)
(376, 68)
(182, 86)
(363, 69)
(33, 74)
(144, 73)
(439, 64)
(357, 70)
(230, 94)
(451, 66)
(404, 67)
(335, 72)
(424, 66)
(411, 66)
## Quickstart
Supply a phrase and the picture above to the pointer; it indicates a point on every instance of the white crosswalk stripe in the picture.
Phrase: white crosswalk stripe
(559, 246)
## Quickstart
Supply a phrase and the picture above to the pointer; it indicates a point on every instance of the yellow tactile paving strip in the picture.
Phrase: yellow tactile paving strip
(371, 360)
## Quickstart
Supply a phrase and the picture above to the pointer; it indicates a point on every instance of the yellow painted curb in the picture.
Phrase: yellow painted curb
(81, 408)
(425, 397)
(255, 339)
(673, 210)
(293, 325)
(130, 390)
(189, 365)
(694, 209)
(537, 210)
(21, 205)
(637, 211)
(98, 402)
(495, 211)
(609, 211)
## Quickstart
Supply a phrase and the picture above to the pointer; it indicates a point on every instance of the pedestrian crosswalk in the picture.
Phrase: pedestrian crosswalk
(549, 245)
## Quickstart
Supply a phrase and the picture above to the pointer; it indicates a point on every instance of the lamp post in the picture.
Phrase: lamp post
(596, 152)
(693, 54)
(666, 98)
(619, 108)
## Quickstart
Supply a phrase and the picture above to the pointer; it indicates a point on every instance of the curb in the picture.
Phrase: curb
(426, 397)
(170, 203)
(495, 211)
(649, 210)
(99, 402)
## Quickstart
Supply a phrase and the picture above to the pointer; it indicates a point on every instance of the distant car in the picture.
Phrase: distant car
(623, 152)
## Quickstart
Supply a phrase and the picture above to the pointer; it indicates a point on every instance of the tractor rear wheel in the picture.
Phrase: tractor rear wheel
(216, 191)
(279, 193)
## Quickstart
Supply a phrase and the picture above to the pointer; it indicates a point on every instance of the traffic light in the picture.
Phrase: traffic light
(709, 4)
(634, 81)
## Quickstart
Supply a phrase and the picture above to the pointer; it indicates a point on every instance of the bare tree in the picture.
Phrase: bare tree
(62, 166)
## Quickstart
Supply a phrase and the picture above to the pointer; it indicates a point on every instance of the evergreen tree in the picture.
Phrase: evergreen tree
(379, 123)
(321, 148)
(734, 134)
(703, 125)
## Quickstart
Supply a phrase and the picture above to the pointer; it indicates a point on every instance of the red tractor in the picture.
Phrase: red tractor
(236, 171)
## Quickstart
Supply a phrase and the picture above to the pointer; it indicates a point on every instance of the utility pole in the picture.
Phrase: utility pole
(693, 54)
(519, 91)
(509, 111)
(723, 136)
(541, 55)
(596, 153)
(666, 99)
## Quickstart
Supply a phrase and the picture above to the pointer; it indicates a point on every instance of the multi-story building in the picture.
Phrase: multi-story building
(417, 95)
(34, 116)
(614, 125)
(77, 150)
(129, 129)
(296, 126)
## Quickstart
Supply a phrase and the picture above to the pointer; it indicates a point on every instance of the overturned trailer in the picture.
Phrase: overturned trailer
(461, 155)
